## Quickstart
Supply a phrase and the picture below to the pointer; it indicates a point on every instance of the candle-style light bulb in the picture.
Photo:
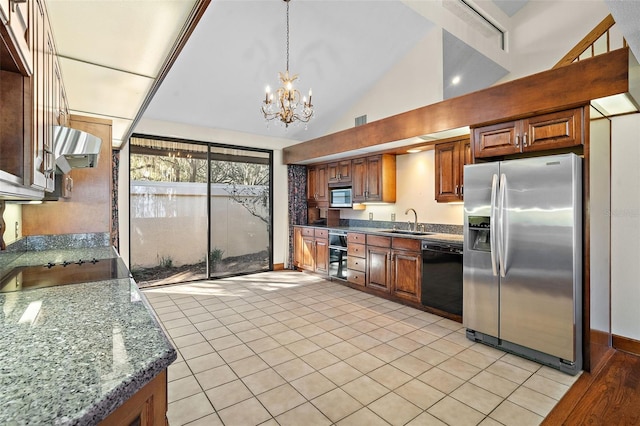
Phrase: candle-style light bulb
(266, 95)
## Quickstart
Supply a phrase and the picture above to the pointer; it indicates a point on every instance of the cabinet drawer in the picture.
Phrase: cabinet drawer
(321, 233)
(356, 263)
(378, 241)
(406, 244)
(355, 277)
(307, 232)
(356, 250)
(353, 237)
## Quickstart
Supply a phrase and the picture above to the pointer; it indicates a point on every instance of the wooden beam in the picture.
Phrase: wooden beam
(562, 88)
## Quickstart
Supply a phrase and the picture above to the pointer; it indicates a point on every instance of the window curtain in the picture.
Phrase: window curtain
(115, 166)
(297, 178)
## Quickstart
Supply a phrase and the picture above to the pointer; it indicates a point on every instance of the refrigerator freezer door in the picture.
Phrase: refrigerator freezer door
(541, 215)
(480, 284)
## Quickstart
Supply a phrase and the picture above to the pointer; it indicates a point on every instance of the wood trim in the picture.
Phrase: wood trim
(626, 344)
(579, 83)
(278, 266)
(587, 41)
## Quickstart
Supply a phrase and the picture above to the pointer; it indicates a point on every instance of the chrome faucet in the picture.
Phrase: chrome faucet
(415, 221)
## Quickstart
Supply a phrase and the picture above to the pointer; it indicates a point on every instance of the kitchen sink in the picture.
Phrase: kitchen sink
(406, 232)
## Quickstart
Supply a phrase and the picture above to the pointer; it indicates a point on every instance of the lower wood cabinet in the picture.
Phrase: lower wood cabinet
(147, 407)
(356, 258)
(311, 249)
(406, 268)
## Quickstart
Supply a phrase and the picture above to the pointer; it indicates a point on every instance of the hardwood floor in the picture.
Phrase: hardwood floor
(610, 396)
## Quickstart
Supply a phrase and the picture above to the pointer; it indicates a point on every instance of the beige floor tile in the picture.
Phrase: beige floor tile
(230, 319)
(305, 414)
(419, 393)
(264, 320)
(532, 400)
(493, 383)
(215, 377)
(400, 328)
(309, 330)
(364, 326)
(364, 362)
(389, 376)
(189, 409)
(558, 376)
(421, 337)
(447, 347)
(450, 324)
(340, 373)
(262, 345)
(325, 339)
(197, 350)
(363, 416)
(441, 380)
(320, 359)
(459, 339)
(346, 332)
(509, 371)
(429, 355)
(383, 334)
(293, 369)
(178, 323)
(365, 389)
(247, 412)
(454, 412)
(386, 353)
(277, 356)
(404, 344)
(364, 342)
(207, 325)
(247, 366)
(225, 342)
(477, 397)
(263, 381)
(336, 404)
(488, 350)
(215, 333)
(459, 368)
(523, 363)
(426, 419)
(210, 420)
(204, 362)
(510, 414)
(436, 330)
(183, 388)
(287, 337)
(475, 358)
(394, 409)
(206, 316)
(302, 347)
(188, 340)
(274, 328)
(411, 365)
(236, 353)
(228, 394)
(547, 387)
(329, 324)
(343, 350)
(488, 421)
(251, 334)
(281, 399)
(313, 385)
(178, 370)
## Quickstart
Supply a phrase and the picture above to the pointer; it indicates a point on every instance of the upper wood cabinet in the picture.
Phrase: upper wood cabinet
(339, 173)
(374, 179)
(555, 130)
(17, 31)
(317, 187)
(450, 159)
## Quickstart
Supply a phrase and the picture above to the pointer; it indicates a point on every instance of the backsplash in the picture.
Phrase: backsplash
(383, 224)
(56, 242)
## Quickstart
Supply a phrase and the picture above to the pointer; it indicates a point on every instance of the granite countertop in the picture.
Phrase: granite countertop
(72, 354)
(430, 236)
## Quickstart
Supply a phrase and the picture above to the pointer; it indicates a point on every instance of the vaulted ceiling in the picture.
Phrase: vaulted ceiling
(112, 55)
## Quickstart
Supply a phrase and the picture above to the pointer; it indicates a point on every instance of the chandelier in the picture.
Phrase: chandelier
(286, 105)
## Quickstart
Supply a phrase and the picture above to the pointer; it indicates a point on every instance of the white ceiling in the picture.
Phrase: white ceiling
(112, 51)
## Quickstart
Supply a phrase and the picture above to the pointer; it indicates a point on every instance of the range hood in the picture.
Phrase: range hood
(75, 149)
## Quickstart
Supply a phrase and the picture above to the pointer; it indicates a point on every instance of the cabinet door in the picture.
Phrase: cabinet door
(358, 180)
(447, 162)
(406, 274)
(322, 188)
(497, 139)
(322, 256)
(378, 268)
(38, 165)
(374, 179)
(308, 253)
(298, 247)
(20, 31)
(4, 11)
(556, 130)
(312, 177)
(339, 172)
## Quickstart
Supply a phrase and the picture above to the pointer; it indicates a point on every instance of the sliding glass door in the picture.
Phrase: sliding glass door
(198, 210)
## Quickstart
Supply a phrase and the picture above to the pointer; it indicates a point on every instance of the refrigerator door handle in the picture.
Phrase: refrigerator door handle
(493, 239)
(501, 222)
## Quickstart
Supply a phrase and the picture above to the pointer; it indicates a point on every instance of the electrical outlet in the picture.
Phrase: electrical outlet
(393, 217)
(370, 215)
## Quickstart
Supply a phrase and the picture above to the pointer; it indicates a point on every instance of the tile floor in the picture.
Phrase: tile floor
(288, 348)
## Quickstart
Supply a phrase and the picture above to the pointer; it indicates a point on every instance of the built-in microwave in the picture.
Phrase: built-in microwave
(340, 197)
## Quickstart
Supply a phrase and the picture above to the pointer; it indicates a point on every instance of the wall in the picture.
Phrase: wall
(415, 188)
(13, 222)
(280, 197)
(625, 226)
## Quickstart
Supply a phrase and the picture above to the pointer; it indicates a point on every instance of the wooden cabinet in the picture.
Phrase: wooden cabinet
(339, 173)
(374, 179)
(450, 159)
(17, 29)
(311, 249)
(379, 263)
(317, 187)
(147, 407)
(406, 268)
(356, 258)
(563, 129)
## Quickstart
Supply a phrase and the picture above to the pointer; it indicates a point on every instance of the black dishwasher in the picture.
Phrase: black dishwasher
(442, 276)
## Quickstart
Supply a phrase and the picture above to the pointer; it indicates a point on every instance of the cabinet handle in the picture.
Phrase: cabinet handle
(524, 139)
(456, 189)
(517, 141)
(461, 189)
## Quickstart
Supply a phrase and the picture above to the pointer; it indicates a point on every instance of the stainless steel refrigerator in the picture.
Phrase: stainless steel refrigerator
(522, 279)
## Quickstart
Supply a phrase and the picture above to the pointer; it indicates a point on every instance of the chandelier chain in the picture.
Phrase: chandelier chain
(287, 35)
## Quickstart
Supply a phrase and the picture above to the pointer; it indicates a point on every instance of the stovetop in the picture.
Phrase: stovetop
(66, 272)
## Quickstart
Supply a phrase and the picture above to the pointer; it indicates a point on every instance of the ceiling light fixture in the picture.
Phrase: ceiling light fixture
(285, 106)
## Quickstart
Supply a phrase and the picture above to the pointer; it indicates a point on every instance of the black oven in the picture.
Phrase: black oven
(442, 276)
(338, 254)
